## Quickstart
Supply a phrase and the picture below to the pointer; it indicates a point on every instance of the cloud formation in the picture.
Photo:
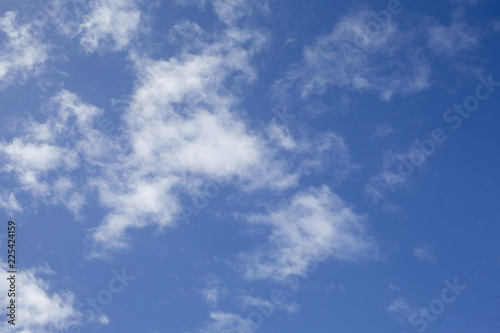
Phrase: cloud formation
(313, 223)
(21, 53)
(110, 25)
(39, 309)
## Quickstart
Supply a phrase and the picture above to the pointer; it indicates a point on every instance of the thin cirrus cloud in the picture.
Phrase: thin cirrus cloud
(250, 302)
(453, 39)
(353, 57)
(389, 178)
(388, 60)
(400, 309)
(225, 322)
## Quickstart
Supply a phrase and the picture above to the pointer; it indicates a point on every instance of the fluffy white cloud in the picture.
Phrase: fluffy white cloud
(44, 154)
(21, 51)
(313, 223)
(110, 26)
(182, 126)
(38, 308)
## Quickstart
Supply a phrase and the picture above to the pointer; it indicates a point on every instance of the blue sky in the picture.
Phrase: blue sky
(202, 166)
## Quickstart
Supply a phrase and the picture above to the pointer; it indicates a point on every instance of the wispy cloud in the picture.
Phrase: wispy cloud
(388, 179)
(313, 221)
(22, 51)
(383, 130)
(354, 58)
(400, 309)
(383, 58)
(453, 39)
(225, 322)
(213, 290)
(425, 252)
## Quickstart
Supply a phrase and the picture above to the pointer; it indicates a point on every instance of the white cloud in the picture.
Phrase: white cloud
(250, 302)
(453, 39)
(394, 173)
(230, 11)
(9, 203)
(30, 160)
(182, 127)
(315, 152)
(400, 309)
(393, 287)
(44, 154)
(211, 295)
(329, 152)
(110, 26)
(280, 135)
(364, 56)
(425, 252)
(359, 59)
(313, 221)
(103, 319)
(38, 309)
(223, 322)
(213, 290)
(21, 52)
